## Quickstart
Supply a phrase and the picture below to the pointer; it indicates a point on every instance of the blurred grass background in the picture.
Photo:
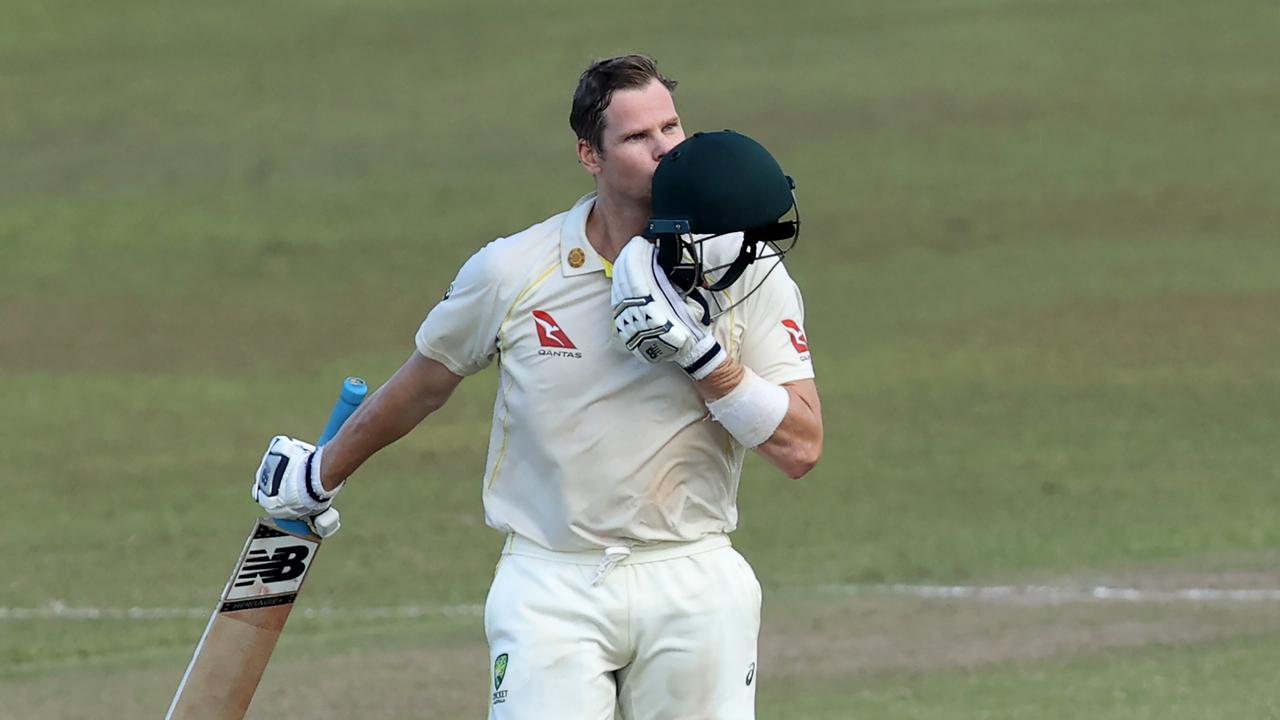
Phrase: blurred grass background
(1040, 263)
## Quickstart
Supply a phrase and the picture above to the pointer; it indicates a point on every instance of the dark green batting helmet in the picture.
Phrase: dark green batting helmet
(716, 183)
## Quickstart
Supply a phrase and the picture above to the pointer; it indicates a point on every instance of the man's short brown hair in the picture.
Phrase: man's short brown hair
(596, 88)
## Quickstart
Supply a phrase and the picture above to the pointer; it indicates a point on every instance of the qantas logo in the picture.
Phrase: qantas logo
(796, 333)
(551, 335)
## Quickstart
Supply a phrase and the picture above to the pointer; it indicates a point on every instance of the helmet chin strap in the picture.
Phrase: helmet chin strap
(746, 256)
(687, 276)
(684, 275)
(751, 241)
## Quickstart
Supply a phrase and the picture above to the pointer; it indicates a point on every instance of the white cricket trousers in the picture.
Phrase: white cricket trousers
(666, 632)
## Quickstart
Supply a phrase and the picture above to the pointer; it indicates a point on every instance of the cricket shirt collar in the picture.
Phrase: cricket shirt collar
(577, 257)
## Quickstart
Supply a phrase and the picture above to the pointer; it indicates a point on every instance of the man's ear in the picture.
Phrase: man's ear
(588, 157)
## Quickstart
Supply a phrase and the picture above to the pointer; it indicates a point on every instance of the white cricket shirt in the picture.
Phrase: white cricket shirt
(592, 447)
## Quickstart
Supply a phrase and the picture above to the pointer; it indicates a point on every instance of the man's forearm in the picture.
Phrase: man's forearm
(721, 381)
(796, 444)
(420, 387)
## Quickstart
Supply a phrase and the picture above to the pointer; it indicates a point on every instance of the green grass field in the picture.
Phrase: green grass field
(1041, 261)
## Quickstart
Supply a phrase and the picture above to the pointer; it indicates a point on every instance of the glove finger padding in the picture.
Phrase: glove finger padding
(679, 304)
(626, 272)
(282, 453)
(646, 337)
(287, 484)
(644, 330)
(653, 319)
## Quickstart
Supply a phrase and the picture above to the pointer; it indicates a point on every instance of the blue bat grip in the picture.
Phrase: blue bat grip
(353, 393)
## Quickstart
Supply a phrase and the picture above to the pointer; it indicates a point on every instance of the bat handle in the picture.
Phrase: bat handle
(353, 393)
(327, 523)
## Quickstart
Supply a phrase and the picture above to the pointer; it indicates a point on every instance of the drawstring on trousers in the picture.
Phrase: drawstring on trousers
(612, 556)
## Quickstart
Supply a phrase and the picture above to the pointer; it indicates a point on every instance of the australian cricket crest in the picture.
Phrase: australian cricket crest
(499, 674)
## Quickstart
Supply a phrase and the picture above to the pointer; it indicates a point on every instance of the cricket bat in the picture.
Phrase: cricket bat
(233, 652)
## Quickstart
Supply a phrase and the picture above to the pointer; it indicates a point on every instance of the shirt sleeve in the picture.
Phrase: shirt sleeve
(461, 331)
(774, 345)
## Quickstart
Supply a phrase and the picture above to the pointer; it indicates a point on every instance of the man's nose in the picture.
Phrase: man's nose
(664, 146)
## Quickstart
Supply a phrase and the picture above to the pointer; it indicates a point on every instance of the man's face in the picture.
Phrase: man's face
(641, 125)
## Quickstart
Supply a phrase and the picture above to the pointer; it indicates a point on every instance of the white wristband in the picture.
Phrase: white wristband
(753, 410)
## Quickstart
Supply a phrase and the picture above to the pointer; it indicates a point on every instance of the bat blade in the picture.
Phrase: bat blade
(238, 641)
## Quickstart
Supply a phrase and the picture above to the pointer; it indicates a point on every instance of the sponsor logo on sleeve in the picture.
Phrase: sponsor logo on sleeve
(796, 334)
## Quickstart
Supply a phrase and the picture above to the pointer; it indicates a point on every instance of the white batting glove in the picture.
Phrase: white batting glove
(653, 320)
(287, 484)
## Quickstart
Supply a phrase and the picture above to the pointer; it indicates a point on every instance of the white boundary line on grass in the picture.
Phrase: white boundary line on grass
(1058, 594)
(59, 610)
(1014, 594)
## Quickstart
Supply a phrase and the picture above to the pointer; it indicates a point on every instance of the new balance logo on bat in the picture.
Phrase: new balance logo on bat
(274, 564)
(286, 563)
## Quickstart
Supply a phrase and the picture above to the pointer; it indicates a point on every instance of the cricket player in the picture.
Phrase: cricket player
(640, 351)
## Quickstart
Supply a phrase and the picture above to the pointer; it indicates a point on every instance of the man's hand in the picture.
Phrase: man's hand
(653, 320)
(288, 481)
